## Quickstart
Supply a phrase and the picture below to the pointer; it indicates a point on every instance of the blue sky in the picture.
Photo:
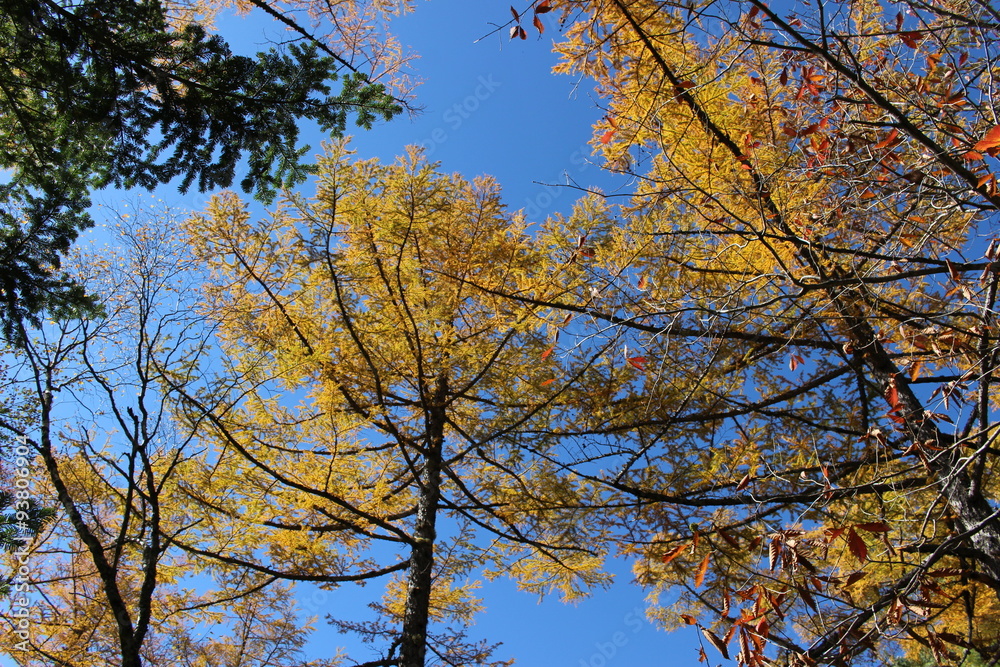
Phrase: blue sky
(487, 107)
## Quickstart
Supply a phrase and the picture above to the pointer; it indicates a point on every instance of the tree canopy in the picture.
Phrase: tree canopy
(807, 274)
(109, 93)
(765, 375)
(372, 397)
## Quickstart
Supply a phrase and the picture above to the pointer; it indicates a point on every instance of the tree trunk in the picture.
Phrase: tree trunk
(413, 644)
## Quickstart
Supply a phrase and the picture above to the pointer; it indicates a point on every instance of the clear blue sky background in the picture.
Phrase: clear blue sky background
(493, 107)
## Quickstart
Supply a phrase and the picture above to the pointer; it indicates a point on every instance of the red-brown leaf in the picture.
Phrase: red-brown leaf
(716, 642)
(857, 546)
(876, 527)
(953, 272)
(911, 38)
(763, 628)
(744, 483)
(730, 540)
(892, 393)
(517, 17)
(854, 578)
(773, 550)
(807, 598)
(537, 22)
(543, 7)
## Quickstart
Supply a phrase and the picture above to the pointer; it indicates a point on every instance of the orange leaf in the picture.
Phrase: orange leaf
(606, 137)
(548, 382)
(892, 393)
(689, 619)
(990, 141)
(699, 575)
(638, 362)
(732, 631)
(957, 100)
(546, 353)
(890, 141)
(833, 533)
(675, 552)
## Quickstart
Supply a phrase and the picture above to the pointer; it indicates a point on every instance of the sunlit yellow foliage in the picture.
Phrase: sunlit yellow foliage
(383, 404)
(802, 297)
